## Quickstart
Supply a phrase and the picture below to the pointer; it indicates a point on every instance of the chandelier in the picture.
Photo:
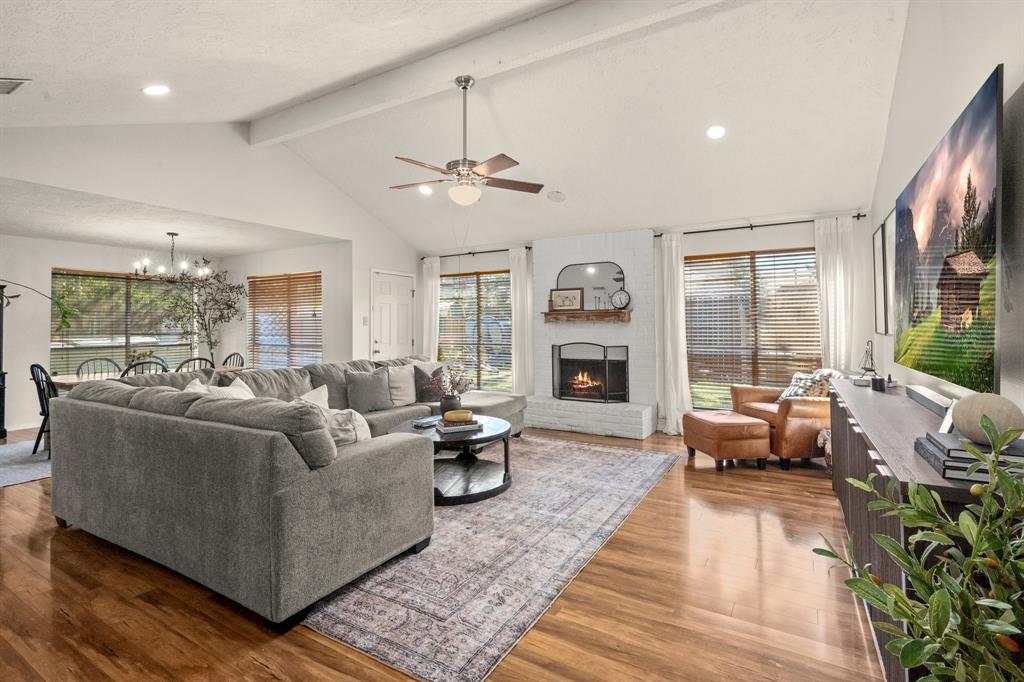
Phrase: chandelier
(141, 268)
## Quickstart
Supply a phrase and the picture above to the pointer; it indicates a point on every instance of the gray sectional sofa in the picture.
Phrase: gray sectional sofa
(250, 498)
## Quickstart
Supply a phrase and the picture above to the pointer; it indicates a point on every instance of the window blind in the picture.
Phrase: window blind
(285, 320)
(119, 317)
(751, 318)
(475, 335)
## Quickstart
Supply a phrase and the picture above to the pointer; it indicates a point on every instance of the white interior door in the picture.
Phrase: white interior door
(391, 327)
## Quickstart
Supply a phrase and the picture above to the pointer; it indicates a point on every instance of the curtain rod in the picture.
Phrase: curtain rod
(752, 226)
(475, 253)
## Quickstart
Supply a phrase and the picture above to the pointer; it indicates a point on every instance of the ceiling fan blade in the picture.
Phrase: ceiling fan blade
(495, 164)
(502, 183)
(418, 184)
(423, 165)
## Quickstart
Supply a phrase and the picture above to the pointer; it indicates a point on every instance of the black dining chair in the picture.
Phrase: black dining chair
(97, 367)
(193, 364)
(234, 360)
(45, 390)
(154, 366)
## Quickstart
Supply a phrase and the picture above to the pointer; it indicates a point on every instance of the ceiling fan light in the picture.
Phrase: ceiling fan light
(464, 194)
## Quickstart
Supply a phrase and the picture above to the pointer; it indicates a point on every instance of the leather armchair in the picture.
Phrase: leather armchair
(794, 422)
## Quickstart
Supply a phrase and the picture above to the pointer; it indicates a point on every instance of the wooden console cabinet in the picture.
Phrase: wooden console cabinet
(874, 432)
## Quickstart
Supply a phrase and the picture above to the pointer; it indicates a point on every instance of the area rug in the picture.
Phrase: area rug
(493, 568)
(19, 465)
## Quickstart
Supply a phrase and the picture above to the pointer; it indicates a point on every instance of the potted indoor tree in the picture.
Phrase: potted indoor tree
(964, 613)
(203, 303)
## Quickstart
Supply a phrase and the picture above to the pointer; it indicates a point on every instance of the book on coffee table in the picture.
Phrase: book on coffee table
(459, 427)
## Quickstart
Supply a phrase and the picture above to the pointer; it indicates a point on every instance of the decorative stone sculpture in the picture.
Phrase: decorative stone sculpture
(1002, 411)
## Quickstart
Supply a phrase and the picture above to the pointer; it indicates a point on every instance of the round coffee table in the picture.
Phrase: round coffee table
(464, 478)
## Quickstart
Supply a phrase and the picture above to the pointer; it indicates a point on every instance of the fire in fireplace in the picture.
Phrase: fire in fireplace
(590, 372)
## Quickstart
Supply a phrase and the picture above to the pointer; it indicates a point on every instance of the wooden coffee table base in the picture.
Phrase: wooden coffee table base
(465, 478)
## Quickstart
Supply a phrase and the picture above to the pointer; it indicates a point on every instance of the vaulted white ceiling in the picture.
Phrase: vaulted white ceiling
(803, 89)
(225, 60)
(616, 124)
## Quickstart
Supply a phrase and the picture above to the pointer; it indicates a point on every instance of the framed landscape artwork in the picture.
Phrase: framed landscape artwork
(947, 222)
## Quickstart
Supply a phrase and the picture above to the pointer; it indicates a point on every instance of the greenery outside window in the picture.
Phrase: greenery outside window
(119, 317)
(751, 318)
(475, 336)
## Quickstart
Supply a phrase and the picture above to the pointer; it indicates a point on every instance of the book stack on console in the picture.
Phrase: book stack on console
(949, 457)
(458, 421)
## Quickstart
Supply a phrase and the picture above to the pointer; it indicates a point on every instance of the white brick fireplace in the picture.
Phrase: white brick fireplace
(634, 252)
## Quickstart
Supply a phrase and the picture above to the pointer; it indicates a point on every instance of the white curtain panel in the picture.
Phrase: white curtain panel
(834, 249)
(521, 267)
(673, 374)
(430, 271)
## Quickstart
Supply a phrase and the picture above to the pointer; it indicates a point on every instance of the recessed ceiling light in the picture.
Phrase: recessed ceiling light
(426, 190)
(715, 132)
(156, 90)
(556, 196)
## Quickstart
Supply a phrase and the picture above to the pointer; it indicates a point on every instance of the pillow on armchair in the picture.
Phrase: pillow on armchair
(810, 385)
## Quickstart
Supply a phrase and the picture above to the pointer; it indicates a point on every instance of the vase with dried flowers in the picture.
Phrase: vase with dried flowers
(449, 385)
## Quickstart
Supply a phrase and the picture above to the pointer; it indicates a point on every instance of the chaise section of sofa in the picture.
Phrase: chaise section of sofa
(253, 501)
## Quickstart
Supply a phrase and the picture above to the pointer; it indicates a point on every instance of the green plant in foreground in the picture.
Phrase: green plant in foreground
(964, 613)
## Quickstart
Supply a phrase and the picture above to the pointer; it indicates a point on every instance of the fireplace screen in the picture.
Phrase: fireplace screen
(590, 371)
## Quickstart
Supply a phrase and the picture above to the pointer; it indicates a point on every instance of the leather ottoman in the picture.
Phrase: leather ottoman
(727, 435)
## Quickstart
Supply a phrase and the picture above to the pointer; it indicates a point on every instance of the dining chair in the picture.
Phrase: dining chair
(44, 390)
(193, 364)
(153, 366)
(234, 360)
(97, 367)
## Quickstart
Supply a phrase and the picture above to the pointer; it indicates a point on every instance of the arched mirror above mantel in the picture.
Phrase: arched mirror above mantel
(598, 281)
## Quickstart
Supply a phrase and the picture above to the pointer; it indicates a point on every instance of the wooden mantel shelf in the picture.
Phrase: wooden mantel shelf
(587, 316)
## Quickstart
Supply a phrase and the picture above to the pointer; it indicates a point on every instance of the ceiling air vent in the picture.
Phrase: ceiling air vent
(9, 85)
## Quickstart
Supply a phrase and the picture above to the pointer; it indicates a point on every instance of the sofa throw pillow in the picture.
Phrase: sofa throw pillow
(318, 397)
(426, 390)
(368, 391)
(196, 386)
(238, 390)
(402, 383)
(799, 386)
(345, 426)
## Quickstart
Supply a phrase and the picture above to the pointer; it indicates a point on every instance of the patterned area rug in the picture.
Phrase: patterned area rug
(493, 568)
(19, 465)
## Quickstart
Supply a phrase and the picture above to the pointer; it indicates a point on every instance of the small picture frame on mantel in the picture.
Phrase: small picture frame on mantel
(565, 299)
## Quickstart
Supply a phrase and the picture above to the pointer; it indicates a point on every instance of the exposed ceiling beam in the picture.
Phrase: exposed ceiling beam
(563, 30)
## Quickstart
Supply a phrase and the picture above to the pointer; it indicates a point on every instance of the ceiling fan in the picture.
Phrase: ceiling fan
(468, 174)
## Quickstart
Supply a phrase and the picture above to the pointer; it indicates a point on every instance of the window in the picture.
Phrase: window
(285, 320)
(119, 317)
(475, 335)
(751, 318)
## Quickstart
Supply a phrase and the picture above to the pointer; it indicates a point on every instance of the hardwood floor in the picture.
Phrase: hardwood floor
(710, 578)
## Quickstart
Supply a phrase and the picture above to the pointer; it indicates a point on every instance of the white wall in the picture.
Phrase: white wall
(27, 322)
(210, 169)
(333, 261)
(949, 49)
